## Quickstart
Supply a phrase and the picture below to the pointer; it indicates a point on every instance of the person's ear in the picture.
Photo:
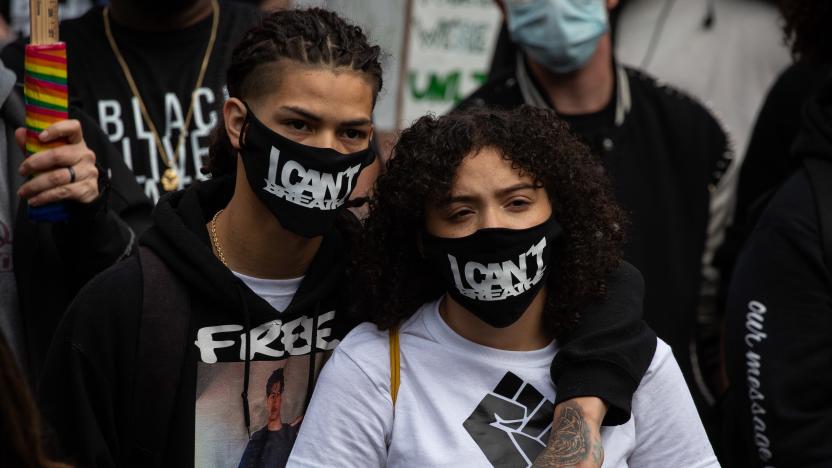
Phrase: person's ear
(234, 115)
(612, 4)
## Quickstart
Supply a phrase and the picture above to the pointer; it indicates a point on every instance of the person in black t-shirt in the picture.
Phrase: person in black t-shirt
(152, 74)
(149, 74)
(271, 445)
(664, 152)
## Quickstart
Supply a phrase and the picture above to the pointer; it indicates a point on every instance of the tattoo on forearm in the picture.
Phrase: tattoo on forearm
(570, 441)
(597, 452)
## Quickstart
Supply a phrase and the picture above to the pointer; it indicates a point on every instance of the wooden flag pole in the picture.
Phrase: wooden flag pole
(45, 89)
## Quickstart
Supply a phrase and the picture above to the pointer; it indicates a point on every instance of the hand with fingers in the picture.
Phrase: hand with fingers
(65, 172)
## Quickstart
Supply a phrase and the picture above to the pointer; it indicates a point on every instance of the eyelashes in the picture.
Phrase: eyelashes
(303, 127)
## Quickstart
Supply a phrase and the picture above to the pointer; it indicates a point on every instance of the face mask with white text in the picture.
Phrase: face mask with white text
(303, 186)
(495, 273)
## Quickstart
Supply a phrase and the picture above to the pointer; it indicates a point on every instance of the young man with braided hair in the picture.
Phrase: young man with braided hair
(248, 271)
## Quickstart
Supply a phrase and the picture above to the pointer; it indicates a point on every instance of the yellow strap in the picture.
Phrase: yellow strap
(394, 364)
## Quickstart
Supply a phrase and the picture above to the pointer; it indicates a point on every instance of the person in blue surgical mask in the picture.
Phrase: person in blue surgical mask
(664, 151)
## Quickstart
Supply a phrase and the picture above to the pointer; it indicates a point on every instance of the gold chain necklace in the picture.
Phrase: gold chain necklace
(215, 240)
(170, 178)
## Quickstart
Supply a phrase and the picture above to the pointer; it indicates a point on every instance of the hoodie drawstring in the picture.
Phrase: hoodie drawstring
(312, 349)
(247, 368)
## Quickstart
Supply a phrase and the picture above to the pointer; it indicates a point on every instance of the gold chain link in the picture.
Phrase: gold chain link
(215, 240)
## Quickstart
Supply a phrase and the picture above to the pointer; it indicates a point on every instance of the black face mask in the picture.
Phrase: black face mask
(302, 186)
(495, 273)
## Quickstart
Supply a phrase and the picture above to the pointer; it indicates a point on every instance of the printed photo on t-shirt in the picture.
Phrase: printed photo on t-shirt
(277, 396)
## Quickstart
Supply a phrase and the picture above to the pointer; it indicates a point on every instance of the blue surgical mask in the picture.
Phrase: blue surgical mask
(560, 35)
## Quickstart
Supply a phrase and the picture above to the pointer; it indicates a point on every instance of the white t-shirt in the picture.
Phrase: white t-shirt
(278, 293)
(461, 404)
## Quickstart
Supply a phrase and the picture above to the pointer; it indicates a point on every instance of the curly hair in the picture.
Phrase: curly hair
(806, 28)
(312, 37)
(395, 277)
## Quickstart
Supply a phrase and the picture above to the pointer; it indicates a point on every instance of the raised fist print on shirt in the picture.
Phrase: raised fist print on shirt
(511, 424)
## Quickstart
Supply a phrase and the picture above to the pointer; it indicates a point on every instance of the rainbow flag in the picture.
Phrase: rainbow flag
(46, 97)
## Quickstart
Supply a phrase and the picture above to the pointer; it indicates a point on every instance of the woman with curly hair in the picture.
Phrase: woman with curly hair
(487, 236)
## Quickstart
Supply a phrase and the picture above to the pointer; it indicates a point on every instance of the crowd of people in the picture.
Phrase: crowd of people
(580, 265)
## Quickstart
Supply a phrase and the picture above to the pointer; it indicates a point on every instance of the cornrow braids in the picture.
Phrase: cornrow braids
(314, 37)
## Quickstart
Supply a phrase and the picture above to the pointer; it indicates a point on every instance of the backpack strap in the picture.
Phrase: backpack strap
(820, 176)
(395, 364)
(162, 341)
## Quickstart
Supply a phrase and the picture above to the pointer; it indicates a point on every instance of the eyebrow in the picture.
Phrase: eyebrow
(317, 119)
(500, 193)
(516, 188)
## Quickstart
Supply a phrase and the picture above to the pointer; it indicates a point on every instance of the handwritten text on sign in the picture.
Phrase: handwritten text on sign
(449, 51)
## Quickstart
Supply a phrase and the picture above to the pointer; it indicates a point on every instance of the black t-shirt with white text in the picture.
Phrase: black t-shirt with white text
(165, 67)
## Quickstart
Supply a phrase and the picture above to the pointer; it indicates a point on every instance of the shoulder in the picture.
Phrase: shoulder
(366, 345)
(124, 276)
(799, 80)
(97, 307)
(368, 348)
(662, 386)
(688, 124)
(792, 211)
(501, 91)
(664, 414)
(674, 103)
(359, 368)
(663, 379)
(259, 434)
(661, 357)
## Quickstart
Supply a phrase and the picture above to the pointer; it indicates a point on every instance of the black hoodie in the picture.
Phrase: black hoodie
(778, 347)
(86, 391)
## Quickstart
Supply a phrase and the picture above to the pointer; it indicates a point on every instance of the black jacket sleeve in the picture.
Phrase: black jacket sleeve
(103, 232)
(778, 348)
(610, 350)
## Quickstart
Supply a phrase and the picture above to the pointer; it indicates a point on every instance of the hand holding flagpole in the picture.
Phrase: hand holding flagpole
(45, 92)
